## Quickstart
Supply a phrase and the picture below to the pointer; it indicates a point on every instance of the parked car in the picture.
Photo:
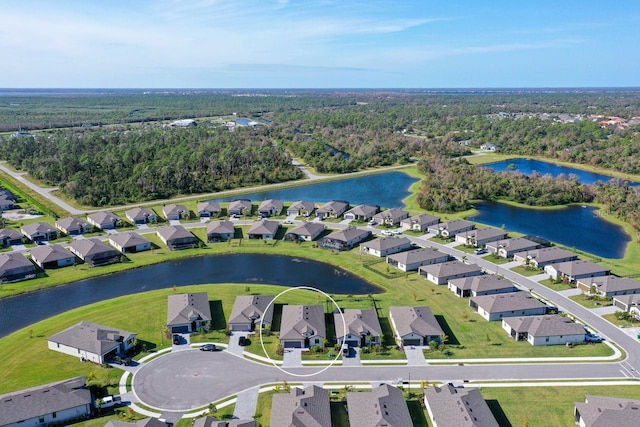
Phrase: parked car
(346, 351)
(242, 341)
(593, 338)
(176, 339)
(126, 361)
(108, 402)
(480, 251)
(208, 347)
(387, 233)
(372, 222)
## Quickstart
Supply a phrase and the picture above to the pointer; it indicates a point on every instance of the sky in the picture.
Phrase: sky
(319, 43)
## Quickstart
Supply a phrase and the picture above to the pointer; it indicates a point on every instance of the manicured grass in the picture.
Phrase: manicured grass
(494, 349)
(556, 286)
(527, 271)
(590, 303)
(497, 259)
(339, 414)
(621, 323)
(263, 408)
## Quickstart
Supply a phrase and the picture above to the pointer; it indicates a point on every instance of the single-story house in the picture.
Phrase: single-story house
(307, 406)
(177, 237)
(6, 204)
(52, 256)
(391, 216)
(15, 267)
(94, 251)
(332, 209)
(248, 310)
(39, 231)
(419, 222)
(363, 327)
(489, 147)
(307, 231)
(214, 422)
(93, 342)
(209, 209)
(551, 329)
(9, 236)
(386, 246)
(175, 212)
(104, 220)
(344, 240)
(73, 226)
(575, 270)
(188, 313)
(416, 258)
(481, 236)
(487, 284)
(414, 325)
(457, 406)
(384, 405)
(609, 286)
(263, 229)
(240, 207)
(507, 248)
(540, 258)
(129, 242)
(302, 326)
(7, 194)
(452, 228)
(301, 208)
(362, 212)
(141, 215)
(442, 273)
(270, 207)
(627, 302)
(601, 411)
(220, 231)
(495, 307)
(56, 403)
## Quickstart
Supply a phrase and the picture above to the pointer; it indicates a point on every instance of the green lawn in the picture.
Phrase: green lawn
(621, 323)
(527, 271)
(583, 300)
(552, 284)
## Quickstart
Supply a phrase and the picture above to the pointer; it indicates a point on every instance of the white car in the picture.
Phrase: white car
(288, 221)
(387, 233)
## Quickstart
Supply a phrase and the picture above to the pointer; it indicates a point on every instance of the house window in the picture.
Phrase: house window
(54, 415)
(547, 339)
(41, 420)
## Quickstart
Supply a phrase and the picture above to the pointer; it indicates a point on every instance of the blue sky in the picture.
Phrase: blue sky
(319, 43)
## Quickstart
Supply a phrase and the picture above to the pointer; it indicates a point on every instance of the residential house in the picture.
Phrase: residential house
(571, 271)
(9, 236)
(220, 231)
(39, 231)
(6, 194)
(307, 231)
(384, 405)
(489, 147)
(129, 242)
(609, 286)
(551, 329)
(15, 267)
(175, 212)
(363, 327)
(73, 226)
(249, 310)
(209, 209)
(495, 307)
(94, 252)
(481, 236)
(141, 215)
(414, 325)
(540, 258)
(187, 313)
(213, 422)
(391, 216)
(264, 229)
(93, 342)
(52, 256)
(307, 407)
(452, 228)
(604, 411)
(344, 240)
(332, 209)
(270, 207)
(362, 212)
(627, 302)
(457, 406)
(386, 246)
(302, 326)
(416, 258)
(240, 207)
(56, 403)
(419, 222)
(301, 208)
(104, 220)
(507, 248)
(442, 273)
(6, 204)
(487, 284)
(176, 237)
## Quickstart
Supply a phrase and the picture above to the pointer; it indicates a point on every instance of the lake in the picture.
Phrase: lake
(574, 226)
(528, 166)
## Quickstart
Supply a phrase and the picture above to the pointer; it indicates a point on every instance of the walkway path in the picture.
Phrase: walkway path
(246, 403)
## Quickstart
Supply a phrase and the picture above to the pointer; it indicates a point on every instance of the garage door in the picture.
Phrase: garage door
(620, 304)
(353, 343)
(414, 341)
(292, 344)
(180, 329)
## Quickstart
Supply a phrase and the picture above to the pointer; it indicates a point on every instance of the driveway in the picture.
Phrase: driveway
(234, 347)
(353, 359)
(246, 404)
(292, 358)
(570, 292)
(610, 309)
(414, 355)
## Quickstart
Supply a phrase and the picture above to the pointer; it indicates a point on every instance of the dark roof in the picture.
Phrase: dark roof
(417, 320)
(302, 205)
(10, 233)
(364, 210)
(13, 260)
(184, 308)
(126, 240)
(382, 406)
(484, 283)
(308, 407)
(171, 232)
(88, 247)
(220, 227)
(417, 255)
(307, 229)
(102, 217)
(459, 407)
(139, 213)
(50, 253)
(393, 214)
(604, 411)
(333, 206)
(348, 234)
(264, 226)
(300, 321)
(37, 227)
(210, 206)
(91, 337)
(71, 222)
(450, 268)
(251, 307)
(358, 322)
(544, 326)
(271, 204)
(386, 243)
(173, 209)
(499, 303)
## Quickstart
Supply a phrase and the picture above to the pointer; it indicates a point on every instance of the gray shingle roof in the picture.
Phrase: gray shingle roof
(139, 214)
(220, 227)
(185, 308)
(91, 247)
(459, 407)
(348, 234)
(512, 301)
(271, 205)
(484, 283)
(302, 205)
(251, 307)
(422, 220)
(395, 215)
(71, 223)
(38, 227)
(240, 204)
(480, 234)
(91, 337)
(450, 268)
(387, 243)
(333, 206)
(417, 320)
(545, 255)
(9, 233)
(264, 226)
(612, 283)
(604, 411)
(307, 229)
(364, 210)
(382, 406)
(358, 322)
(209, 206)
(12, 261)
(544, 326)
(126, 240)
(579, 267)
(171, 232)
(308, 407)
(300, 321)
(103, 218)
(173, 210)
(417, 255)
(515, 244)
(50, 253)
(212, 422)
(454, 226)
(146, 422)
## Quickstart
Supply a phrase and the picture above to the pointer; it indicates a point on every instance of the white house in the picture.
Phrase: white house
(544, 330)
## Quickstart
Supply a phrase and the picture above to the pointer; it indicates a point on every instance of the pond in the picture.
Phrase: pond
(528, 166)
(22, 310)
(384, 189)
(574, 226)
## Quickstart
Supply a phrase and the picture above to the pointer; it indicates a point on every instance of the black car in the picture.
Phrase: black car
(242, 341)
(176, 339)
(208, 347)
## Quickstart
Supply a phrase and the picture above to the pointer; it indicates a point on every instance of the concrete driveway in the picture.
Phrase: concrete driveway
(414, 355)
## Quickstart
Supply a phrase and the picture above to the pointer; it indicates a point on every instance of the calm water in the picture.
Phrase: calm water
(385, 189)
(574, 226)
(23, 310)
(528, 166)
